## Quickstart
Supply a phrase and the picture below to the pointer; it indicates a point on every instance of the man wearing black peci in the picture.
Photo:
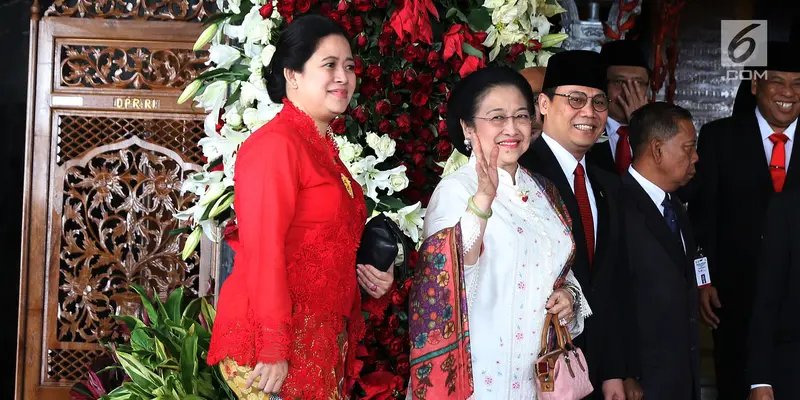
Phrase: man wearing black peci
(574, 105)
(657, 279)
(744, 160)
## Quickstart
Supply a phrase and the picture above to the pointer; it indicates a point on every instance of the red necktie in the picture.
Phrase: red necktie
(777, 164)
(586, 210)
(623, 151)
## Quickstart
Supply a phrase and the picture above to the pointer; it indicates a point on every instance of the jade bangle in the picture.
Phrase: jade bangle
(475, 210)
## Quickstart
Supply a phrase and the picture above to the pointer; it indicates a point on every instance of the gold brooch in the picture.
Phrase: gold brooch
(347, 185)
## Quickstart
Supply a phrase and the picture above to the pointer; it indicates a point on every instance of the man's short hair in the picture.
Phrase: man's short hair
(655, 120)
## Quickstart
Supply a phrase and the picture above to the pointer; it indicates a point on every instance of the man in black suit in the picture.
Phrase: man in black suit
(657, 278)
(774, 340)
(574, 105)
(744, 160)
(628, 76)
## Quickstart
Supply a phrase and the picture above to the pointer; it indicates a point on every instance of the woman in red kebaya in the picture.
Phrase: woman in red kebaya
(289, 316)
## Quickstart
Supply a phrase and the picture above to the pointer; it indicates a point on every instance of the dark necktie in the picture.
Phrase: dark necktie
(623, 151)
(582, 196)
(671, 217)
(777, 163)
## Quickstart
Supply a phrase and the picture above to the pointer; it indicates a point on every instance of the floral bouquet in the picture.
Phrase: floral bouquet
(393, 137)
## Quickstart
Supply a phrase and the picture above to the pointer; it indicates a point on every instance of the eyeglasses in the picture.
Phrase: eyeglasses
(499, 121)
(577, 100)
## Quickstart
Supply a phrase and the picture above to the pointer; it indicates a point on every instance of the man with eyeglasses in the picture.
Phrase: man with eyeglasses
(628, 76)
(575, 106)
(745, 160)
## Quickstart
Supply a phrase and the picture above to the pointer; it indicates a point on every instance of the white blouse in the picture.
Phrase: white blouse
(525, 247)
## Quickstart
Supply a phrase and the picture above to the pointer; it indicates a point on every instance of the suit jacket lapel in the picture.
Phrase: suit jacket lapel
(753, 148)
(600, 155)
(603, 225)
(655, 221)
(688, 238)
(793, 172)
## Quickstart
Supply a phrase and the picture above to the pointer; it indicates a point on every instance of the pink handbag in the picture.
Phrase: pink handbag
(561, 368)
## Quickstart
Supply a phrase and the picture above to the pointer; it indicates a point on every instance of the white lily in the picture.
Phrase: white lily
(223, 55)
(234, 6)
(372, 179)
(252, 92)
(267, 110)
(213, 98)
(266, 54)
(410, 220)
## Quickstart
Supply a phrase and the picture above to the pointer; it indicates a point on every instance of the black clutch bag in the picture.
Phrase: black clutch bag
(380, 244)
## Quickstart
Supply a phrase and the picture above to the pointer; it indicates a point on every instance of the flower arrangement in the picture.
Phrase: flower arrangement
(393, 137)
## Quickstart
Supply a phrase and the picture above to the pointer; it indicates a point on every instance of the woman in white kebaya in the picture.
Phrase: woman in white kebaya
(515, 241)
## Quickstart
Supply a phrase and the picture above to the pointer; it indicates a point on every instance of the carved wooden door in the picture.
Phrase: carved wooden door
(107, 148)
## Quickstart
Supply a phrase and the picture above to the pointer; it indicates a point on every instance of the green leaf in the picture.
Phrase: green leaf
(479, 19)
(216, 18)
(174, 232)
(451, 12)
(194, 397)
(173, 305)
(140, 340)
(462, 17)
(234, 97)
(370, 206)
(189, 361)
(209, 313)
(139, 374)
(191, 311)
(161, 350)
(392, 202)
(131, 322)
(171, 347)
(471, 50)
(120, 393)
(205, 76)
(240, 69)
(148, 306)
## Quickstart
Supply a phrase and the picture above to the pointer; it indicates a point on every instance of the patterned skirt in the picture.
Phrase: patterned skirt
(236, 377)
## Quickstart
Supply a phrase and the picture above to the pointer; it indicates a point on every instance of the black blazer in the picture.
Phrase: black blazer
(601, 155)
(597, 281)
(729, 199)
(774, 341)
(659, 285)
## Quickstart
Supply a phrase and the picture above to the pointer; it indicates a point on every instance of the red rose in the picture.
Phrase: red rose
(383, 107)
(419, 159)
(396, 347)
(393, 323)
(517, 49)
(442, 127)
(442, 70)
(397, 77)
(381, 3)
(387, 29)
(338, 126)
(361, 40)
(266, 10)
(403, 368)
(419, 99)
(426, 135)
(359, 67)
(444, 148)
(369, 89)
(346, 24)
(410, 54)
(336, 17)
(399, 383)
(413, 195)
(385, 126)
(369, 335)
(395, 134)
(425, 79)
(411, 76)
(416, 123)
(404, 122)
(456, 63)
(325, 9)
(363, 5)
(395, 98)
(375, 320)
(384, 40)
(381, 366)
(433, 58)
(441, 88)
(286, 8)
(385, 337)
(374, 71)
(358, 23)
(426, 113)
(359, 114)
(534, 45)
(303, 6)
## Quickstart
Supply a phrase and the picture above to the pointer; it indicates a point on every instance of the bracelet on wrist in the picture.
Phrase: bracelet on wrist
(475, 210)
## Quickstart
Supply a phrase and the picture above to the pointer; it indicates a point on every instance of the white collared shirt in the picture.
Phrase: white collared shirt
(766, 131)
(568, 164)
(656, 194)
(612, 126)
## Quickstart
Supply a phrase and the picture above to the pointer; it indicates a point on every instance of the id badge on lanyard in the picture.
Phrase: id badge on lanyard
(701, 270)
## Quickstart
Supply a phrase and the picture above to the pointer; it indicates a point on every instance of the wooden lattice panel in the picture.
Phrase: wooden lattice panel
(116, 217)
(103, 67)
(78, 134)
(158, 10)
(67, 366)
